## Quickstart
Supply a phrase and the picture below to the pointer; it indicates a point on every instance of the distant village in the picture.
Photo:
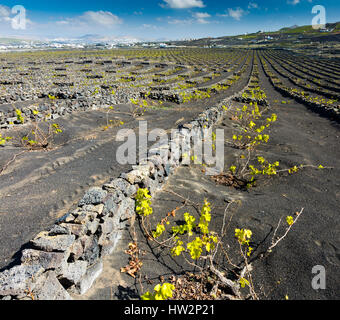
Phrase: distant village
(260, 37)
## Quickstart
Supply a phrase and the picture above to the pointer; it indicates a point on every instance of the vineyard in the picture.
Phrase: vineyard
(61, 114)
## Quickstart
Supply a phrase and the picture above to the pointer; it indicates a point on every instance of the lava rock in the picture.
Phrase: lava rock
(48, 260)
(52, 243)
(49, 288)
(93, 196)
(91, 275)
(73, 272)
(18, 279)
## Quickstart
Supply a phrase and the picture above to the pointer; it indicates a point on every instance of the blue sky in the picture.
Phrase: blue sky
(159, 19)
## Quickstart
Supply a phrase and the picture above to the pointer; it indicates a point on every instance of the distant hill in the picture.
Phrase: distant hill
(15, 41)
(290, 34)
(332, 27)
(292, 27)
(99, 39)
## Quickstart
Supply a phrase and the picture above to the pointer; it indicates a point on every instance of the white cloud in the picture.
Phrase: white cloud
(184, 4)
(99, 18)
(237, 13)
(253, 5)
(105, 18)
(197, 17)
(149, 26)
(201, 17)
(293, 2)
(4, 11)
(63, 22)
(180, 21)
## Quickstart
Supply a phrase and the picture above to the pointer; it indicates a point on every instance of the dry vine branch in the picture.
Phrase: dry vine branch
(247, 270)
(274, 242)
(226, 282)
(223, 227)
(186, 200)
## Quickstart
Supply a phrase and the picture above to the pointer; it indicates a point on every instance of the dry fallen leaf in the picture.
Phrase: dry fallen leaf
(134, 263)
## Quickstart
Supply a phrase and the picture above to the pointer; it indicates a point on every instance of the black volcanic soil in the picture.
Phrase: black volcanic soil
(47, 184)
(298, 137)
(40, 186)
